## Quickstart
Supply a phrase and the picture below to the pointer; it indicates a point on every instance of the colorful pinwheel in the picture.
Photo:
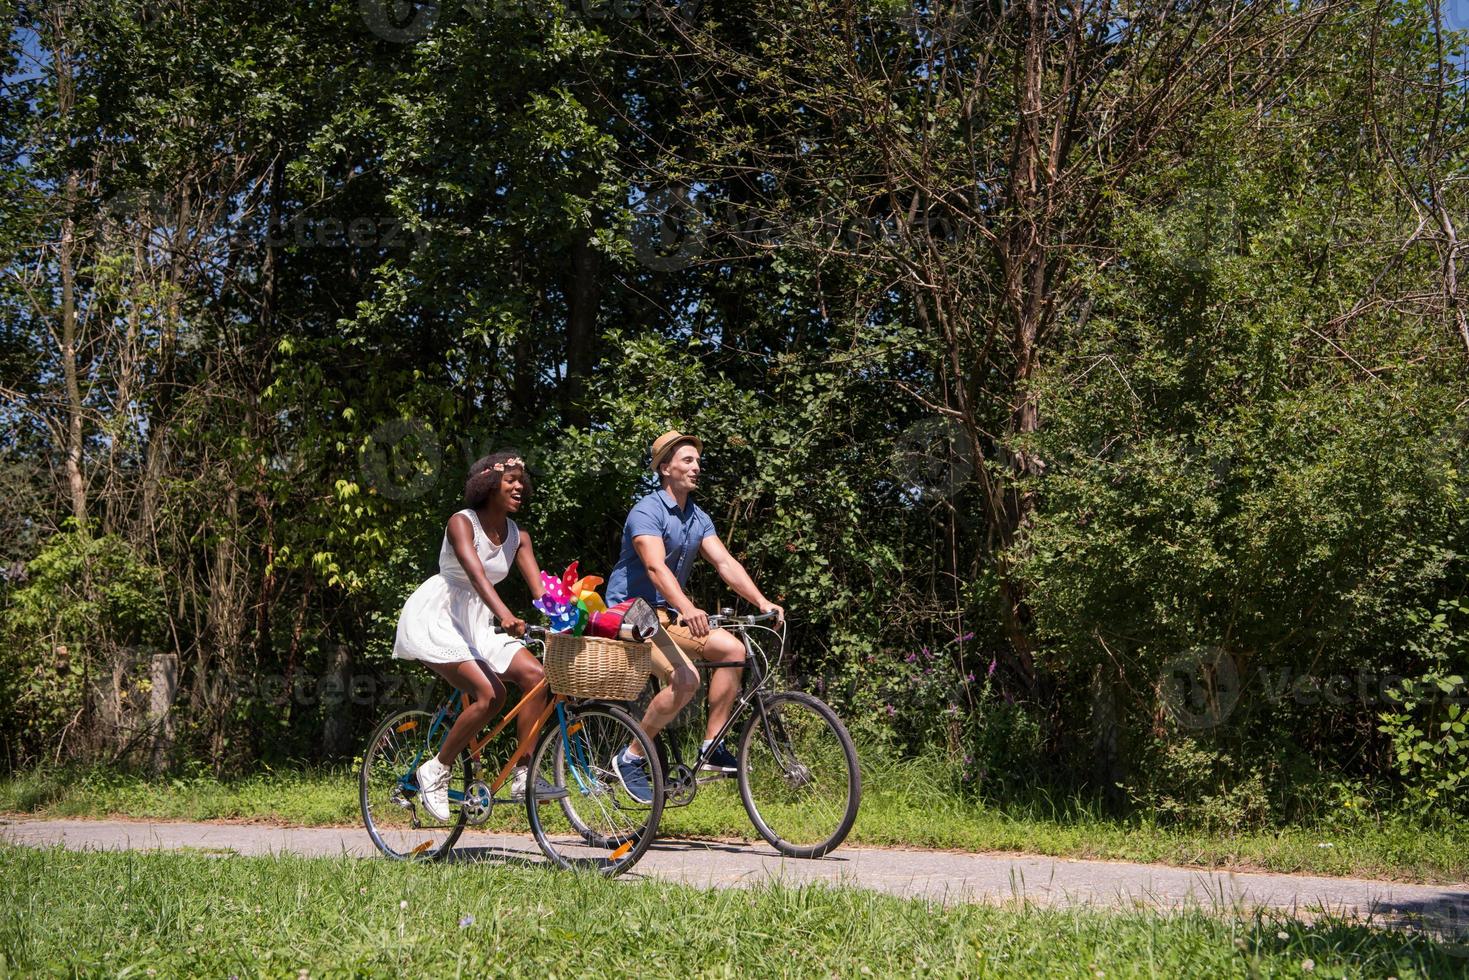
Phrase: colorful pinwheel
(570, 601)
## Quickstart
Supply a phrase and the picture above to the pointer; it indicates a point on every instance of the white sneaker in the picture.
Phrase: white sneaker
(433, 789)
(544, 790)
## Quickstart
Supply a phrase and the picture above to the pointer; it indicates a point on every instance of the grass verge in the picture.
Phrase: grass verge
(135, 914)
(901, 806)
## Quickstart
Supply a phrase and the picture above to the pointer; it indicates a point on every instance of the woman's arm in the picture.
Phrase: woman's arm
(525, 560)
(461, 536)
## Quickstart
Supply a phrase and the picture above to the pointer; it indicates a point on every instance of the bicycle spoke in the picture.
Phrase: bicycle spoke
(388, 790)
(590, 820)
(798, 775)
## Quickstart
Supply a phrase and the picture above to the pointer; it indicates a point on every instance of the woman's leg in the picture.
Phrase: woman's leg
(488, 694)
(525, 672)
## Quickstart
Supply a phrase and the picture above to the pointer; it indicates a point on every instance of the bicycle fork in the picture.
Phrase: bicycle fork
(576, 758)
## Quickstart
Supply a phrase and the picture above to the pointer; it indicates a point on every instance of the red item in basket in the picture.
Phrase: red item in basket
(630, 619)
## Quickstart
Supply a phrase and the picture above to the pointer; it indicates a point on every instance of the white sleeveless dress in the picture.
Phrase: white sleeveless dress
(445, 621)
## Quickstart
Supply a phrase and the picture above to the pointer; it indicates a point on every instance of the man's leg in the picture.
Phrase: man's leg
(679, 680)
(717, 646)
(724, 683)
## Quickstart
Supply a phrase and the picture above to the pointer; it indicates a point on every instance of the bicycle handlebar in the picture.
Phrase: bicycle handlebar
(726, 617)
(540, 633)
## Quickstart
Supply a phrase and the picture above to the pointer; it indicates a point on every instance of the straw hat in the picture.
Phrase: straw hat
(667, 443)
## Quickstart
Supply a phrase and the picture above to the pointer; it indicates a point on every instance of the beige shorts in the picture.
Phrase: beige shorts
(672, 645)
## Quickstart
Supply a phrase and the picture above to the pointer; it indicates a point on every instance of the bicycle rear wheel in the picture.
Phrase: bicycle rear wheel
(798, 774)
(388, 789)
(595, 825)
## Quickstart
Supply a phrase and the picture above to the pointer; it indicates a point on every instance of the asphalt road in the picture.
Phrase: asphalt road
(934, 875)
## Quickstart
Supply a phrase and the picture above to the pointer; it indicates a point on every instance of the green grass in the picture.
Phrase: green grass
(143, 914)
(306, 797)
(902, 805)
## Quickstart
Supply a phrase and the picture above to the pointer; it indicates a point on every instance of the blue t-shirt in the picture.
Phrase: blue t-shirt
(682, 532)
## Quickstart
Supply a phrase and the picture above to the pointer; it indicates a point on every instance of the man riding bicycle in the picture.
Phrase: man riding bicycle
(663, 534)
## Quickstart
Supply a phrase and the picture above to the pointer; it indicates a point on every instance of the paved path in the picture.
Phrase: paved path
(935, 875)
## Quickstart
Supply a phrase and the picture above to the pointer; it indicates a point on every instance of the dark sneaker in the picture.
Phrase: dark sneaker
(544, 790)
(633, 774)
(719, 759)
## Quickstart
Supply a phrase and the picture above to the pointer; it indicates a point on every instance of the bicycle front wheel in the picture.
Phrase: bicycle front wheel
(593, 822)
(395, 818)
(798, 774)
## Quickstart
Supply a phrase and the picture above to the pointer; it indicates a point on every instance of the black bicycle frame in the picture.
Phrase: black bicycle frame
(752, 694)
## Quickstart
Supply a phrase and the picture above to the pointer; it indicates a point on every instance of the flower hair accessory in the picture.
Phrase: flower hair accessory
(512, 462)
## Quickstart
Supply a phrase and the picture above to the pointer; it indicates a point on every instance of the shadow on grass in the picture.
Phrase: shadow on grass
(29, 793)
(40, 790)
(1444, 917)
(499, 857)
(1382, 948)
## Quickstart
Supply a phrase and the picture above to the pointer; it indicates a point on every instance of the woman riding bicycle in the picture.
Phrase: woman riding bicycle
(450, 622)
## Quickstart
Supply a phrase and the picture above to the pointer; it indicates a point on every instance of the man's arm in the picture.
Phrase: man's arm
(653, 556)
(735, 576)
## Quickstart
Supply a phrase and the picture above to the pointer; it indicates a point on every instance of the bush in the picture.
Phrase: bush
(1429, 727)
(75, 630)
(1185, 782)
(920, 701)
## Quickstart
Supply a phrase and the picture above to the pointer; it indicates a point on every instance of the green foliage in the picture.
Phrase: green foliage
(87, 607)
(365, 261)
(1428, 725)
(1257, 485)
(930, 702)
(1184, 782)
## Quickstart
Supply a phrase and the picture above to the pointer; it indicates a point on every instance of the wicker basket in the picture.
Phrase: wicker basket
(591, 667)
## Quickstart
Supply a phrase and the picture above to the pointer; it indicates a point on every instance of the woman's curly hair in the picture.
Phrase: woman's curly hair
(484, 478)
